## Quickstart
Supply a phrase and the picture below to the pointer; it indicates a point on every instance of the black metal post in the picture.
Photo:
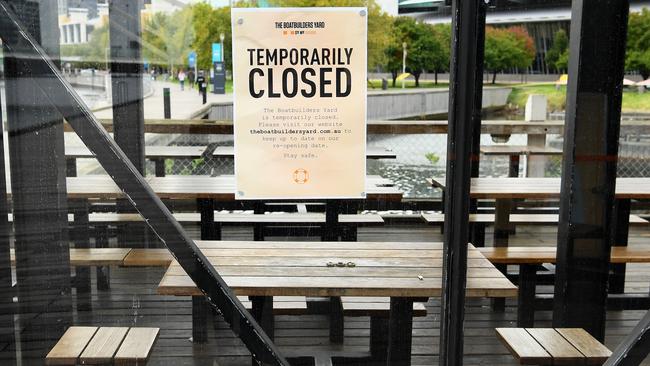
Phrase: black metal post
(60, 94)
(400, 331)
(465, 100)
(621, 233)
(36, 150)
(526, 296)
(81, 237)
(7, 307)
(167, 103)
(591, 133)
(128, 101)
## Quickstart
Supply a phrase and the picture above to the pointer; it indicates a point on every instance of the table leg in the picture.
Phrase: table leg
(262, 311)
(378, 338)
(400, 331)
(621, 232)
(160, 167)
(330, 231)
(501, 233)
(337, 325)
(70, 167)
(81, 237)
(200, 310)
(209, 229)
(258, 229)
(103, 272)
(513, 171)
(526, 296)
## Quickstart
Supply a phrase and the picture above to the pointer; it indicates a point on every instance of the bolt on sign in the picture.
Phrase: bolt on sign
(299, 77)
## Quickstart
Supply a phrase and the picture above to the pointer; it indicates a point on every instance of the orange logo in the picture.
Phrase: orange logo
(300, 176)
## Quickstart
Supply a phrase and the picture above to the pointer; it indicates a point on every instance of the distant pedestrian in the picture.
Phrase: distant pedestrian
(181, 79)
(192, 78)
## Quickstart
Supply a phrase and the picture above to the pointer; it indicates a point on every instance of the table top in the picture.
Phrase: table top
(519, 150)
(371, 152)
(198, 186)
(152, 152)
(632, 188)
(301, 269)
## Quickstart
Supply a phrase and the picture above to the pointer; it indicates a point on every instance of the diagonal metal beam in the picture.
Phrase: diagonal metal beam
(23, 47)
(635, 347)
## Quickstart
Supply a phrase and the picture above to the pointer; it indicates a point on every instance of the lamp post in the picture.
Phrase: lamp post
(403, 62)
(223, 51)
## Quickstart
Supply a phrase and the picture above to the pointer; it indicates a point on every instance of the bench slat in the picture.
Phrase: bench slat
(103, 345)
(374, 306)
(524, 347)
(69, 347)
(595, 351)
(560, 349)
(282, 305)
(137, 346)
(530, 219)
(540, 255)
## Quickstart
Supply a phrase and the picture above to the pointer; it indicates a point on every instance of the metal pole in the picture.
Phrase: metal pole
(403, 62)
(38, 182)
(6, 283)
(635, 347)
(60, 94)
(591, 132)
(128, 101)
(167, 103)
(465, 96)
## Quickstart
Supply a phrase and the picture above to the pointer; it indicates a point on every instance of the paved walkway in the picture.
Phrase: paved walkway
(183, 103)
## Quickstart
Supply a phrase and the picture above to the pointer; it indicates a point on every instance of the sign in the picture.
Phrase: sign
(191, 59)
(219, 78)
(216, 52)
(299, 81)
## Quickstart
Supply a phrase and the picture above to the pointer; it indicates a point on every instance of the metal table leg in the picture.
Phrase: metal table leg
(400, 331)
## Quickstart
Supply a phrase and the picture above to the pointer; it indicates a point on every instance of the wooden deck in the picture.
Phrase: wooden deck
(133, 301)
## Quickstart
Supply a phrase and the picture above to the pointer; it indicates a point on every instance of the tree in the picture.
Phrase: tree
(379, 24)
(637, 57)
(426, 53)
(209, 23)
(166, 38)
(507, 48)
(442, 32)
(94, 52)
(557, 55)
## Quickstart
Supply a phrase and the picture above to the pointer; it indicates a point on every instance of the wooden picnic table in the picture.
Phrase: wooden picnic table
(405, 272)
(371, 152)
(503, 190)
(156, 153)
(514, 153)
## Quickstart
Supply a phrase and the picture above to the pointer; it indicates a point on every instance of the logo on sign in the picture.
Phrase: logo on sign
(300, 176)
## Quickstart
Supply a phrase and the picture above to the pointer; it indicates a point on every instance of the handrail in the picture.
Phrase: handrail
(35, 63)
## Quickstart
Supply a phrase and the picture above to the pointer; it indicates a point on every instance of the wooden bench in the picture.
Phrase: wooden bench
(378, 309)
(304, 224)
(480, 220)
(553, 346)
(158, 154)
(529, 258)
(282, 305)
(103, 345)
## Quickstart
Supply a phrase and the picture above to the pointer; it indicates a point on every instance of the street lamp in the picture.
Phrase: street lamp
(403, 62)
(223, 51)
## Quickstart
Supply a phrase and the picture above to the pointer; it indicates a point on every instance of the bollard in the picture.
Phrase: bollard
(167, 103)
(205, 93)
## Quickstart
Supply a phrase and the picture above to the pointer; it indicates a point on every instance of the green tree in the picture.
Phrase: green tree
(166, 38)
(638, 43)
(404, 30)
(427, 52)
(442, 33)
(379, 24)
(508, 48)
(208, 24)
(558, 52)
(93, 53)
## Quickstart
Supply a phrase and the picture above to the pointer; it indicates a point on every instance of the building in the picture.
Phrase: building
(542, 18)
